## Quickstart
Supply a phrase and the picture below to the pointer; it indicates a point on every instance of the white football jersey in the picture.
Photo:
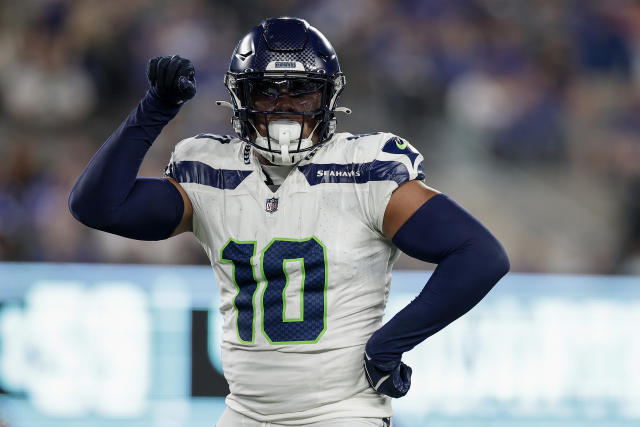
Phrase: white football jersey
(303, 272)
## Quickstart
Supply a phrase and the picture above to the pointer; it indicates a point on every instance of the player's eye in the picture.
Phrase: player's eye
(304, 87)
(291, 87)
(270, 92)
(266, 89)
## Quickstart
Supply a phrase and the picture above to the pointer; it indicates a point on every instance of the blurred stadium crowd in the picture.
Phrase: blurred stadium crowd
(526, 112)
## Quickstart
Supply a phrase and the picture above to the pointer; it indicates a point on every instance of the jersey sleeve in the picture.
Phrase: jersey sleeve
(189, 149)
(185, 151)
(395, 163)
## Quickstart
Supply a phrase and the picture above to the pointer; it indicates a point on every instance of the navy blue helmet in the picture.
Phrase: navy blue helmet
(284, 57)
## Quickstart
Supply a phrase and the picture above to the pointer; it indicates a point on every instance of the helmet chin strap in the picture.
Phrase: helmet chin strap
(283, 132)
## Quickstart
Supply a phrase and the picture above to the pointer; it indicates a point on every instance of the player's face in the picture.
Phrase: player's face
(292, 95)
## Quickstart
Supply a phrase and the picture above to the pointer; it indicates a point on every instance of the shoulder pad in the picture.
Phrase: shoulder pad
(376, 156)
(399, 147)
(208, 148)
(361, 135)
(223, 139)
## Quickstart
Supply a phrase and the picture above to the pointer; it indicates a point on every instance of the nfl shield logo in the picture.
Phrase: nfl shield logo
(272, 205)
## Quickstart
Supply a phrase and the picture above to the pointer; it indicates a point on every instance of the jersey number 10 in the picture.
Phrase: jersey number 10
(276, 327)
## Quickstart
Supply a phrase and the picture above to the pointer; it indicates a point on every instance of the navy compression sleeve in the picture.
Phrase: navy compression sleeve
(470, 261)
(108, 197)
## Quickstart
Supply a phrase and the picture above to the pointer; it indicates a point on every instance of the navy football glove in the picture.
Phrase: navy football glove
(390, 378)
(173, 78)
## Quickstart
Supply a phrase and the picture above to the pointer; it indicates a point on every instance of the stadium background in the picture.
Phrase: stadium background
(526, 112)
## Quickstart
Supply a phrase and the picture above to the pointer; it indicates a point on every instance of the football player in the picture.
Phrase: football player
(302, 226)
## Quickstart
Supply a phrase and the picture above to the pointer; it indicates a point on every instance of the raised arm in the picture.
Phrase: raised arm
(430, 226)
(108, 196)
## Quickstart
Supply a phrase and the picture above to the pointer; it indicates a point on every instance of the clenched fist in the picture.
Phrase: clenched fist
(173, 78)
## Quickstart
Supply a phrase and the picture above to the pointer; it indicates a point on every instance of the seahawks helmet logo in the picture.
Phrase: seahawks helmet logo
(285, 66)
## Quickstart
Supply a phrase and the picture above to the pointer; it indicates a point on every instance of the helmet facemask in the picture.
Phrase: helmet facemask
(284, 115)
